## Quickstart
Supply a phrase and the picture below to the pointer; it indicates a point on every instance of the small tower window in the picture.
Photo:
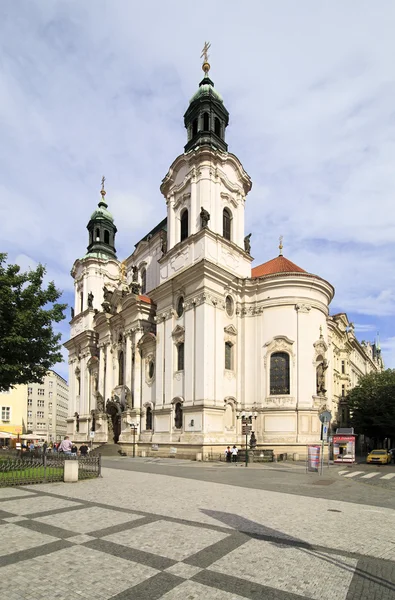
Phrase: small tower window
(194, 127)
(217, 126)
(148, 418)
(143, 281)
(180, 357)
(206, 122)
(227, 223)
(81, 301)
(106, 237)
(228, 356)
(184, 225)
(97, 235)
(120, 368)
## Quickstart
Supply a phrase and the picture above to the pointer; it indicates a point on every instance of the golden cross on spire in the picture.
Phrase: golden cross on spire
(204, 55)
(103, 191)
(280, 246)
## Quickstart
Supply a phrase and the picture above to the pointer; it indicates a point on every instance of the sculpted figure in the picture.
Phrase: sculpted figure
(322, 367)
(90, 300)
(204, 217)
(247, 243)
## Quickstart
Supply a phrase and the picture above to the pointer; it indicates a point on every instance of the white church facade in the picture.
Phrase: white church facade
(169, 348)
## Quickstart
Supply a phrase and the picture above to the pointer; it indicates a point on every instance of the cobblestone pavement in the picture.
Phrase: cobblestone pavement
(136, 535)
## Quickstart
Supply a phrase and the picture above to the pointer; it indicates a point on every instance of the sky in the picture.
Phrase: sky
(99, 87)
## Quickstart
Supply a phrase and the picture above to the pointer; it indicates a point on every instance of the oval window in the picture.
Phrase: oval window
(229, 305)
(151, 369)
(180, 306)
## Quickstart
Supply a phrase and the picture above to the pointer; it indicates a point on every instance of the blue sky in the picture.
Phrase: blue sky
(100, 87)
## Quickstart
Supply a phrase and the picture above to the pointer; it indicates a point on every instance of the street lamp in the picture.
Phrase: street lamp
(133, 427)
(246, 422)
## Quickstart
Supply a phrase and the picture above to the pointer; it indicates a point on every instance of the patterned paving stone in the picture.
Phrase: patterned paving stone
(80, 539)
(86, 520)
(192, 590)
(13, 493)
(183, 570)
(14, 538)
(309, 573)
(35, 504)
(76, 571)
(169, 539)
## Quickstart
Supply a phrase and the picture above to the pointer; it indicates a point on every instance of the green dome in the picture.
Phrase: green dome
(102, 213)
(206, 88)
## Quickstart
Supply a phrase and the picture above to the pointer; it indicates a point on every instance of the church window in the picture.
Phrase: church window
(194, 127)
(143, 281)
(180, 306)
(151, 369)
(206, 122)
(120, 368)
(81, 301)
(229, 305)
(217, 126)
(98, 235)
(178, 415)
(180, 356)
(227, 223)
(106, 237)
(279, 373)
(184, 225)
(343, 367)
(148, 418)
(343, 390)
(228, 355)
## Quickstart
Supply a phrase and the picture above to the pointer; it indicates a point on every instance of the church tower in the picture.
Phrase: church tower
(205, 191)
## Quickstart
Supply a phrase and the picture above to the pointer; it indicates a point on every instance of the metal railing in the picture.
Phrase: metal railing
(26, 468)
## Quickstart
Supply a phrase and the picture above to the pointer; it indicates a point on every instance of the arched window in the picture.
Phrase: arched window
(206, 122)
(106, 237)
(180, 356)
(178, 415)
(148, 418)
(97, 235)
(217, 126)
(194, 127)
(184, 225)
(120, 368)
(143, 281)
(279, 374)
(228, 355)
(227, 224)
(81, 301)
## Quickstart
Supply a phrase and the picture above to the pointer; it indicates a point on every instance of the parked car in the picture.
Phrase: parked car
(380, 457)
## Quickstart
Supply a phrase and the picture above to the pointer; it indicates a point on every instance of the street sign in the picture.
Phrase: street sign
(91, 434)
(324, 432)
(325, 417)
(246, 429)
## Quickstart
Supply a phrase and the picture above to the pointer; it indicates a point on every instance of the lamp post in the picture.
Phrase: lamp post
(246, 422)
(133, 427)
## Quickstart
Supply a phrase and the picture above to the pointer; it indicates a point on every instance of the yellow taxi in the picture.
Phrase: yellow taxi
(380, 457)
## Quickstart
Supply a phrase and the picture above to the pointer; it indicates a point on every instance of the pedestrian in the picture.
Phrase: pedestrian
(31, 446)
(228, 454)
(84, 449)
(74, 450)
(45, 447)
(65, 445)
(235, 452)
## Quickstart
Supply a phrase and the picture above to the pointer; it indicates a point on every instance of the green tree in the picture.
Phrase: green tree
(28, 344)
(372, 405)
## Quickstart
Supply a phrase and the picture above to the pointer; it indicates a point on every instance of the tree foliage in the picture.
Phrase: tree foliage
(372, 405)
(28, 344)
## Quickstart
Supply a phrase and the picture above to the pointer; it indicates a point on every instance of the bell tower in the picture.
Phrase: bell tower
(206, 117)
(205, 191)
(102, 229)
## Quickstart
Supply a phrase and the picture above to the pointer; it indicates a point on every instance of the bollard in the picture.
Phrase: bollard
(70, 471)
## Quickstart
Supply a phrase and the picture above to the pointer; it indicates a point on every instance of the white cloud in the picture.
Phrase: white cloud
(100, 88)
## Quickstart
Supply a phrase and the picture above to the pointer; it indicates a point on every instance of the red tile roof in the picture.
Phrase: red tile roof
(146, 299)
(280, 264)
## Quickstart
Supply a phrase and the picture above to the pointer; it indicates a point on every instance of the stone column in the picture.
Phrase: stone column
(101, 369)
(137, 369)
(128, 360)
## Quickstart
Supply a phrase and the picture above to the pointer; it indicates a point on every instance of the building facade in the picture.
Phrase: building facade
(47, 407)
(169, 348)
(13, 410)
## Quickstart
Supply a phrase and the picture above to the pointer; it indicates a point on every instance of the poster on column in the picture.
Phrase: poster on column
(313, 458)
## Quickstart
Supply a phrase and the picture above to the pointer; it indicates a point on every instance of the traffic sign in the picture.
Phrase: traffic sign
(91, 434)
(325, 417)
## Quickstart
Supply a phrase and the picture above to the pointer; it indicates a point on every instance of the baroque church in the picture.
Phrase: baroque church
(171, 347)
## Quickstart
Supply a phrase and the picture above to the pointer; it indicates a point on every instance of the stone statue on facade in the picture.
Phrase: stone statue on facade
(204, 217)
(135, 271)
(247, 243)
(72, 312)
(163, 242)
(90, 300)
(99, 402)
(322, 367)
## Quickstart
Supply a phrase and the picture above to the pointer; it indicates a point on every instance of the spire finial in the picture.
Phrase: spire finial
(103, 191)
(204, 55)
(280, 246)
